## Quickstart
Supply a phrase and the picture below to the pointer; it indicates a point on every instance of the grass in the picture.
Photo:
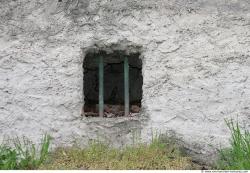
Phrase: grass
(24, 154)
(237, 156)
(161, 153)
(157, 155)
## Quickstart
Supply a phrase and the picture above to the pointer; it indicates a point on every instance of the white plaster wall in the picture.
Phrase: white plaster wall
(196, 59)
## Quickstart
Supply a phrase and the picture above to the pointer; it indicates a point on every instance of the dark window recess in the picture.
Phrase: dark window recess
(115, 79)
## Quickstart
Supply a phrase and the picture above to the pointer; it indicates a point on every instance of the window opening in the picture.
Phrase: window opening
(112, 84)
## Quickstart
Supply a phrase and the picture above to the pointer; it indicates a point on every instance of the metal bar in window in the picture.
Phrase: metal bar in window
(126, 87)
(101, 97)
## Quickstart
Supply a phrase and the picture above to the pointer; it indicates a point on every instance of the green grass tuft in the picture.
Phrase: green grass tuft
(24, 154)
(237, 156)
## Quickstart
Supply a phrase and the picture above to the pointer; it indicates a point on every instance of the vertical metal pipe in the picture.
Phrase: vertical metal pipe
(101, 97)
(126, 86)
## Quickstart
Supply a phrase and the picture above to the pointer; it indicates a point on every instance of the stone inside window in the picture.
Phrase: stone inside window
(113, 84)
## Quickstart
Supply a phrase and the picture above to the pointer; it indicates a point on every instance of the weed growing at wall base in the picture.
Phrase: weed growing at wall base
(237, 157)
(24, 154)
(157, 155)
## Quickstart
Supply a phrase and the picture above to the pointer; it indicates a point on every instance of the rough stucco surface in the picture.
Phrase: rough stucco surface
(196, 68)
